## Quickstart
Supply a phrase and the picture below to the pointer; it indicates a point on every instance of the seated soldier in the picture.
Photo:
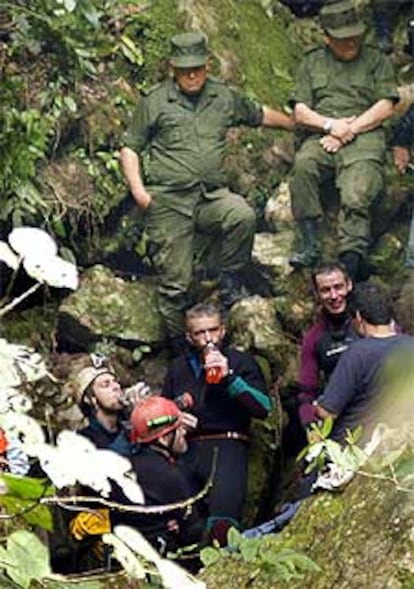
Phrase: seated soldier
(345, 91)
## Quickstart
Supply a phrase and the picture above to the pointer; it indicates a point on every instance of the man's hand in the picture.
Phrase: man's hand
(322, 413)
(342, 130)
(401, 157)
(143, 198)
(215, 359)
(331, 144)
(188, 420)
(134, 394)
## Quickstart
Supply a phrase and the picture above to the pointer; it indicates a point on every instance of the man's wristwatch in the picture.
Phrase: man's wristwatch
(327, 125)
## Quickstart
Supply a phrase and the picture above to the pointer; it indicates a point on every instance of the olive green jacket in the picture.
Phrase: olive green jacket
(336, 88)
(183, 139)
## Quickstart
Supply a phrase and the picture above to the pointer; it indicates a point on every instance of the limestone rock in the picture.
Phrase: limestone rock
(278, 210)
(253, 326)
(271, 253)
(107, 307)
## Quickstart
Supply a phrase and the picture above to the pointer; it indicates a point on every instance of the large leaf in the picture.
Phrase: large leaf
(26, 558)
(27, 487)
(32, 241)
(39, 515)
(127, 557)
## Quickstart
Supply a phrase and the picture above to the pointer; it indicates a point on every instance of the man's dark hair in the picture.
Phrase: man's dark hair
(86, 405)
(327, 268)
(372, 301)
(201, 310)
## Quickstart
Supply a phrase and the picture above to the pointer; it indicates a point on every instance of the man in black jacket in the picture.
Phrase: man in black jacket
(159, 431)
(223, 408)
(99, 396)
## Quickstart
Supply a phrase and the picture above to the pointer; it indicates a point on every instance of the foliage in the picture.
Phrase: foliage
(322, 449)
(139, 558)
(268, 557)
(22, 498)
(14, 559)
(68, 66)
(73, 459)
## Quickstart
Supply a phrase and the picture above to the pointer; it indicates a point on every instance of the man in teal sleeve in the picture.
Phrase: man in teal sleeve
(344, 93)
(178, 132)
(223, 408)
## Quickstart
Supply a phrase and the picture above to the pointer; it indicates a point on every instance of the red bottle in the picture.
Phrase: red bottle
(214, 374)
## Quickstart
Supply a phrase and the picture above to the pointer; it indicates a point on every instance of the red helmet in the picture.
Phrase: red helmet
(154, 417)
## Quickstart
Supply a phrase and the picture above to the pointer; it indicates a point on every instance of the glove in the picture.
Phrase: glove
(90, 524)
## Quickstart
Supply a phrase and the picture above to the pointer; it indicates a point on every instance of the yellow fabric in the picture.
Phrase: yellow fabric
(95, 523)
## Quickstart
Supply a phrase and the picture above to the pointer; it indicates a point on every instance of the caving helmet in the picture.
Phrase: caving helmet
(154, 417)
(84, 379)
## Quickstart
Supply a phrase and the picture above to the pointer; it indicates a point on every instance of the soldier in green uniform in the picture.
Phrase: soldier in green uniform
(179, 128)
(344, 92)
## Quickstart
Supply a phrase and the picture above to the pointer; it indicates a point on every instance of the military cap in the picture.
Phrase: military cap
(189, 50)
(339, 19)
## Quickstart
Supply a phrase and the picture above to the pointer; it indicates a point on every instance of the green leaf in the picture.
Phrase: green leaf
(137, 355)
(69, 5)
(28, 556)
(234, 538)
(250, 550)
(70, 104)
(131, 51)
(27, 487)
(210, 555)
(39, 515)
(335, 452)
(353, 457)
(406, 467)
(326, 427)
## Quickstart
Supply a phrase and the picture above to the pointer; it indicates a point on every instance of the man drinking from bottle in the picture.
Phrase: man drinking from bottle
(227, 388)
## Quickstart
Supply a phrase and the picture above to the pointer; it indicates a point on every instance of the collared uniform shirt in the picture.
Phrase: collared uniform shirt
(183, 139)
(336, 88)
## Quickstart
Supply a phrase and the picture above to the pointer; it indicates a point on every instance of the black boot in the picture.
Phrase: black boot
(232, 289)
(351, 261)
(310, 254)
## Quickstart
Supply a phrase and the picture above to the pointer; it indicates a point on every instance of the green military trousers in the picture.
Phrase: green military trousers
(358, 179)
(176, 222)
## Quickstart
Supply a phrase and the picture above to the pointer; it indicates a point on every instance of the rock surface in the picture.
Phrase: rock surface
(108, 307)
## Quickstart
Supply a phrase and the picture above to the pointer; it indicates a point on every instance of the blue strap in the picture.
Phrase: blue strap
(276, 524)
